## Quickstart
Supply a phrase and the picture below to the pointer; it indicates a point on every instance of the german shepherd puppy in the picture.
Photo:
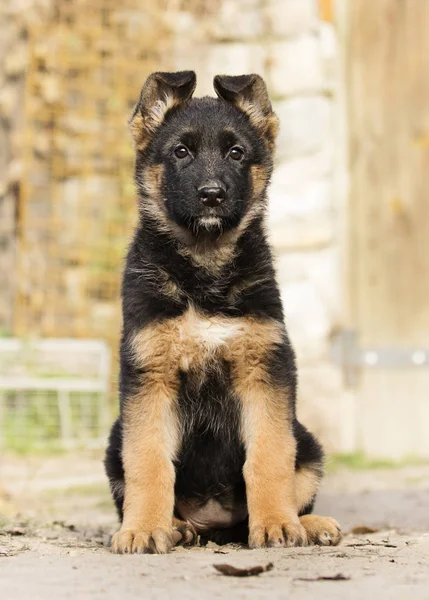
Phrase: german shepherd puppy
(207, 441)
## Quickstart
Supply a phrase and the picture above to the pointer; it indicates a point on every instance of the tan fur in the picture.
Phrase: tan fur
(183, 533)
(269, 470)
(191, 340)
(153, 204)
(143, 127)
(152, 183)
(211, 255)
(271, 130)
(307, 481)
(267, 125)
(137, 128)
(150, 443)
(136, 541)
(254, 112)
(323, 531)
(259, 177)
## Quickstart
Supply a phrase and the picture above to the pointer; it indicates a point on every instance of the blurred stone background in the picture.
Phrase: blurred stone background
(69, 73)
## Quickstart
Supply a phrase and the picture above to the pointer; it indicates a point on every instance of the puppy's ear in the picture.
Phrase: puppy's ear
(249, 94)
(161, 92)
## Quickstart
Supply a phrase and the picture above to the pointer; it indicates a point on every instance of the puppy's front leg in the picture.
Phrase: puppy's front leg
(266, 422)
(269, 473)
(149, 445)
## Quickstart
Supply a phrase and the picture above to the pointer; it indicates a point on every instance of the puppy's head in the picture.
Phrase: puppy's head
(203, 165)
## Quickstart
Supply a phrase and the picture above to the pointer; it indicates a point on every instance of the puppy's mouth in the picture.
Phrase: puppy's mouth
(210, 222)
(207, 225)
(210, 219)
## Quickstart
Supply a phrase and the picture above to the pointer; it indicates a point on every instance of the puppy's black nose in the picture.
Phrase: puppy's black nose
(211, 196)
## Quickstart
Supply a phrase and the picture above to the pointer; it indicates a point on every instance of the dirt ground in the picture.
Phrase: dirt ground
(58, 518)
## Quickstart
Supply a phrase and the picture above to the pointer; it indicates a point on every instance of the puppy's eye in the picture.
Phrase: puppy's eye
(181, 151)
(236, 153)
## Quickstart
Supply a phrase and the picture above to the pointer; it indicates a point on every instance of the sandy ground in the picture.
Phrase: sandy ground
(58, 520)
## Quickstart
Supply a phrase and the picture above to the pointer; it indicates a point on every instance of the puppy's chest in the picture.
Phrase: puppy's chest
(201, 339)
(194, 339)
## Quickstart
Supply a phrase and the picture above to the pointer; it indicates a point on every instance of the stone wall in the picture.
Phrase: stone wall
(15, 18)
(297, 53)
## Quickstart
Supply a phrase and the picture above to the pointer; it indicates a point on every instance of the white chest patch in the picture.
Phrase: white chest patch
(214, 332)
(201, 337)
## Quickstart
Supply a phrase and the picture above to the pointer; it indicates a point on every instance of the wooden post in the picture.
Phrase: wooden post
(388, 83)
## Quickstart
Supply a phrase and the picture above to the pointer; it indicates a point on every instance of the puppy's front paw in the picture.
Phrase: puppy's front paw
(277, 534)
(139, 541)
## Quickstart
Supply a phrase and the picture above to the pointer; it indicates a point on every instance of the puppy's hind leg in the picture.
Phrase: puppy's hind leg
(183, 533)
(323, 531)
(114, 467)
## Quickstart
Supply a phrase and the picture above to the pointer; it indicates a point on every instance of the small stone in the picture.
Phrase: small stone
(238, 20)
(305, 125)
(14, 172)
(231, 58)
(16, 61)
(301, 216)
(321, 385)
(42, 144)
(299, 235)
(8, 102)
(287, 18)
(295, 66)
(50, 88)
(329, 56)
(308, 199)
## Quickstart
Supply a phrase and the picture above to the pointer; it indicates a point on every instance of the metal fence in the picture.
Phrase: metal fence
(54, 393)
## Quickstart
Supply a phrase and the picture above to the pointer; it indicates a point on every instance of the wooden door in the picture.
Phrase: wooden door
(387, 72)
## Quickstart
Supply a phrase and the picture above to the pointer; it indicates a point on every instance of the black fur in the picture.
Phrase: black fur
(211, 457)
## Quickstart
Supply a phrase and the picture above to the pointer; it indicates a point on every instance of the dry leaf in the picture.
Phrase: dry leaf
(337, 577)
(15, 531)
(363, 529)
(236, 572)
(369, 543)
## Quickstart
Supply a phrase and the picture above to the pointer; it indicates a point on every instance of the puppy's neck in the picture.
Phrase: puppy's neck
(211, 250)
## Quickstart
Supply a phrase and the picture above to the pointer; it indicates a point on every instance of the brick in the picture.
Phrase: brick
(288, 18)
(296, 66)
(305, 125)
(230, 59)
